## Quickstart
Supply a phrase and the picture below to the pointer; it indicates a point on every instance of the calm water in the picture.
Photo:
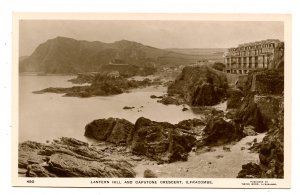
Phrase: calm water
(48, 116)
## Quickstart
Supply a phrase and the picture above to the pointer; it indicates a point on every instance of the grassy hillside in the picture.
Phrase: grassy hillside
(66, 55)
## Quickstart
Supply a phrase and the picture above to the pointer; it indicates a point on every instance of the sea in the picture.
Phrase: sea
(48, 116)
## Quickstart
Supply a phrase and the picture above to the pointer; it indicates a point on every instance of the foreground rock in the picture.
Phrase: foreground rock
(199, 86)
(69, 157)
(160, 141)
(219, 132)
(112, 130)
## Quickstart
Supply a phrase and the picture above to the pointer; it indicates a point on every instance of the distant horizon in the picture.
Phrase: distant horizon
(158, 34)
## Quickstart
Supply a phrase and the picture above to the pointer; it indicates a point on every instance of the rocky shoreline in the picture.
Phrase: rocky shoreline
(121, 144)
(100, 85)
(253, 107)
(68, 157)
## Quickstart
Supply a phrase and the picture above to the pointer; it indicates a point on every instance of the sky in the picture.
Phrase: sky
(160, 34)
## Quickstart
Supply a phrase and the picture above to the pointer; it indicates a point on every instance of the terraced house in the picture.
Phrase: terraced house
(251, 56)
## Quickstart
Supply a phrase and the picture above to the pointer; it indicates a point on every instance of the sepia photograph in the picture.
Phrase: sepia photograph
(159, 100)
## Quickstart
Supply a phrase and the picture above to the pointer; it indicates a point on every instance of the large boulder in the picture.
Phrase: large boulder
(160, 140)
(112, 130)
(218, 132)
(200, 86)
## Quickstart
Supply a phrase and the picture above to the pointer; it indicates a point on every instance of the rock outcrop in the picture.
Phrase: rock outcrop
(234, 98)
(264, 92)
(271, 152)
(161, 141)
(112, 130)
(68, 157)
(102, 85)
(200, 86)
(249, 114)
(166, 100)
(265, 82)
(218, 132)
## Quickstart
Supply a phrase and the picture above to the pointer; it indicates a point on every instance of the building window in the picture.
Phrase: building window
(245, 62)
(256, 61)
(250, 62)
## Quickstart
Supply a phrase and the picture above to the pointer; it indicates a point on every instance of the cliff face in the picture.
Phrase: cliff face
(263, 107)
(263, 95)
(200, 86)
(66, 55)
(278, 59)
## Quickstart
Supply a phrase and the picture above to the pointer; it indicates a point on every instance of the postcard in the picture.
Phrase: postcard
(151, 100)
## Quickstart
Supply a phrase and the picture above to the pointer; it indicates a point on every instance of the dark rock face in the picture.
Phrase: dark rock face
(160, 140)
(249, 114)
(207, 94)
(278, 58)
(200, 86)
(234, 98)
(250, 170)
(266, 82)
(269, 107)
(264, 90)
(113, 130)
(69, 157)
(271, 153)
(218, 132)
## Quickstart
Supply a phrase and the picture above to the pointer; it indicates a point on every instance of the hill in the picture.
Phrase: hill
(66, 55)
(215, 54)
